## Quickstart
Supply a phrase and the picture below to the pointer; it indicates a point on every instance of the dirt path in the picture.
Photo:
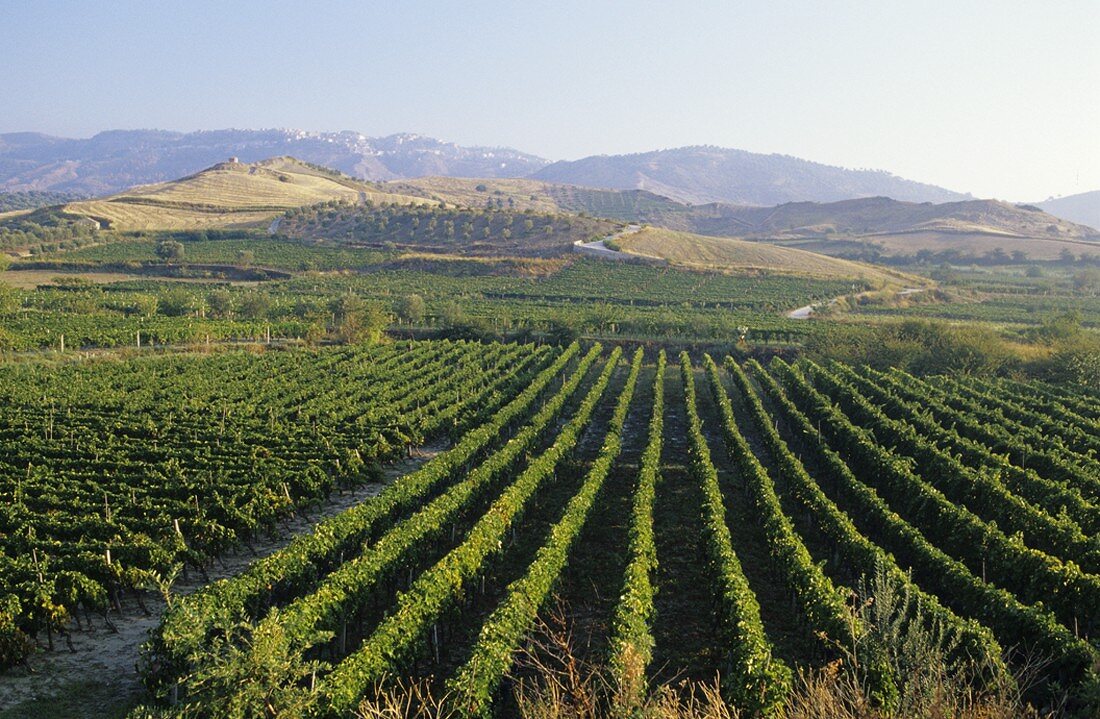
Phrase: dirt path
(109, 659)
(807, 311)
(600, 249)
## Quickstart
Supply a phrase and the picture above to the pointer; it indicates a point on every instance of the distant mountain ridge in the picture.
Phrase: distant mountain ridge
(118, 159)
(703, 174)
(1083, 208)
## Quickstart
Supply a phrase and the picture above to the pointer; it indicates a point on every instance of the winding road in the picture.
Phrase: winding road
(599, 249)
(806, 312)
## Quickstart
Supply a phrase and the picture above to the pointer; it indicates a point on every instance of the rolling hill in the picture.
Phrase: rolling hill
(1083, 208)
(450, 230)
(243, 195)
(861, 228)
(115, 160)
(526, 194)
(724, 254)
(698, 175)
(230, 195)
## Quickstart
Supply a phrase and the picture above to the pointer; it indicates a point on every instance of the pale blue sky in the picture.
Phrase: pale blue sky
(996, 98)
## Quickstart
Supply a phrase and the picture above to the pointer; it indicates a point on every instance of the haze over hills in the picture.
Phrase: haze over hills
(115, 160)
(236, 195)
(712, 174)
(879, 225)
(1083, 208)
(118, 159)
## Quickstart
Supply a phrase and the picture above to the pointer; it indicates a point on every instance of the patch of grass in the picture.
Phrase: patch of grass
(79, 700)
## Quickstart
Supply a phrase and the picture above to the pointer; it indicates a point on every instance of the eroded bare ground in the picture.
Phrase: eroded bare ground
(104, 665)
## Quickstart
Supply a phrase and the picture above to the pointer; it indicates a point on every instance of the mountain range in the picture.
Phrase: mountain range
(118, 159)
(231, 195)
(698, 175)
(1083, 208)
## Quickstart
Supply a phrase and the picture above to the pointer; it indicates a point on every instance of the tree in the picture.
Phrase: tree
(169, 251)
(358, 321)
(177, 302)
(410, 309)
(220, 303)
(255, 305)
(450, 314)
(1087, 280)
(245, 257)
(143, 305)
(1059, 328)
(1076, 360)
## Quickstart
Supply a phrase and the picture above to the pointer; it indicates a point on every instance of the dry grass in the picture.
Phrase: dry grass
(720, 253)
(931, 681)
(463, 191)
(125, 216)
(229, 196)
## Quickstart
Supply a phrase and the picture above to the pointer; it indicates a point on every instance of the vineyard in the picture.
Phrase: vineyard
(593, 299)
(689, 519)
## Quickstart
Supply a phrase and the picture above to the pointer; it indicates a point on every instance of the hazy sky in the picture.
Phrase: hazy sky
(1000, 99)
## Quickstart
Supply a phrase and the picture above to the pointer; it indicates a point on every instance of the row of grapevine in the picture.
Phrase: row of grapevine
(860, 554)
(1065, 396)
(1074, 437)
(339, 597)
(753, 679)
(1015, 624)
(979, 490)
(822, 604)
(1071, 412)
(1024, 446)
(399, 638)
(115, 472)
(476, 682)
(1054, 497)
(632, 637)
(189, 621)
(1033, 575)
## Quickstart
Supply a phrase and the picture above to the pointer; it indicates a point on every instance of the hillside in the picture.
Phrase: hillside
(721, 253)
(711, 174)
(867, 227)
(1083, 208)
(430, 228)
(229, 195)
(112, 161)
(880, 227)
(877, 215)
(528, 194)
(115, 160)
(32, 200)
